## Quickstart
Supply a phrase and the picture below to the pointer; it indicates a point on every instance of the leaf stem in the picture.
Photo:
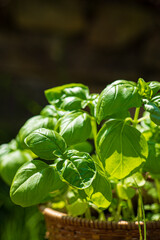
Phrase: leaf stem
(94, 129)
(102, 216)
(130, 206)
(136, 117)
(88, 213)
(142, 118)
(118, 213)
(141, 213)
(139, 207)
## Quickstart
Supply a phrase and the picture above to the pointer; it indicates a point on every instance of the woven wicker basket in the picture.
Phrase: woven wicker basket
(62, 227)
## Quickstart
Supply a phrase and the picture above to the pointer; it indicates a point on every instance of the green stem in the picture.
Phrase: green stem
(139, 207)
(136, 117)
(94, 129)
(157, 182)
(102, 216)
(130, 206)
(118, 213)
(142, 118)
(88, 214)
(141, 213)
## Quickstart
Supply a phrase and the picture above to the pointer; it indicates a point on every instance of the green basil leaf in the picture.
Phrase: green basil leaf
(10, 163)
(118, 95)
(125, 192)
(75, 127)
(8, 147)
(144, 89)
(93, 103)
(46, 143)
(49, 111)
(77, 208)
(56, 94)
(154, 86)
(135, 180)
(99, 192)
(153, 109)
(121, 115)
(152, 164)
(82, 147)
(32, 183)
(72, 103)
(33, 124)
(77, 169)
(156, 100)
(121, 148)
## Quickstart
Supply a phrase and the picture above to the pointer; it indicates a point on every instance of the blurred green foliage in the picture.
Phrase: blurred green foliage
(18, 223)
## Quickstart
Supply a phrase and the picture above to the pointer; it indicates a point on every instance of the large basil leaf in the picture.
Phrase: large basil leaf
(33, 124)
(154, 86)
(121, 148)
(45, 143)
(32, 183)
(77, 169)
(154, 109)
(75, 127)
(99, 192)
(152, 164)
(118, 95)
(57, 94)
(9, 164)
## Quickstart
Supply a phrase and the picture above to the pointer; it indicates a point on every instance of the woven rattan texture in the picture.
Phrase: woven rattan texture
(62, 227)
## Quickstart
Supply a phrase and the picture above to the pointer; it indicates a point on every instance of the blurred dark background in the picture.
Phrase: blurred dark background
(49, 43)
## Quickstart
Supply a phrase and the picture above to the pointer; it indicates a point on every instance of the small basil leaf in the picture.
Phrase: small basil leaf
(56, 94)
(144, 89)
(10, 163)
(77, 169)
(4, 149)
(71, 103)
(8, 147)
(77, 208)
(49, 111)
(121, 148)
(121, 94)
(152, 164)
(32, 183)
(93, 103)
(75, 127)
(154, 86)
(125, 192)
(136, 180)
(46, 143)
(153, 109)
(99, 192)
(33, 124)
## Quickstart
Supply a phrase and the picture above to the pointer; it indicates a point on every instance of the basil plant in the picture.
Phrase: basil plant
(89, 153)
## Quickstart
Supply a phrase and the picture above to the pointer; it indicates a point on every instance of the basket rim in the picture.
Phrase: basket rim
(65, 219)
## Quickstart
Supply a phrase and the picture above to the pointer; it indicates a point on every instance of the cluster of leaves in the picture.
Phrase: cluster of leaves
(76, 167)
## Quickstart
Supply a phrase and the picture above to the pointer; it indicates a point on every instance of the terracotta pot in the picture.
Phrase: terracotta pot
(63, 227)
